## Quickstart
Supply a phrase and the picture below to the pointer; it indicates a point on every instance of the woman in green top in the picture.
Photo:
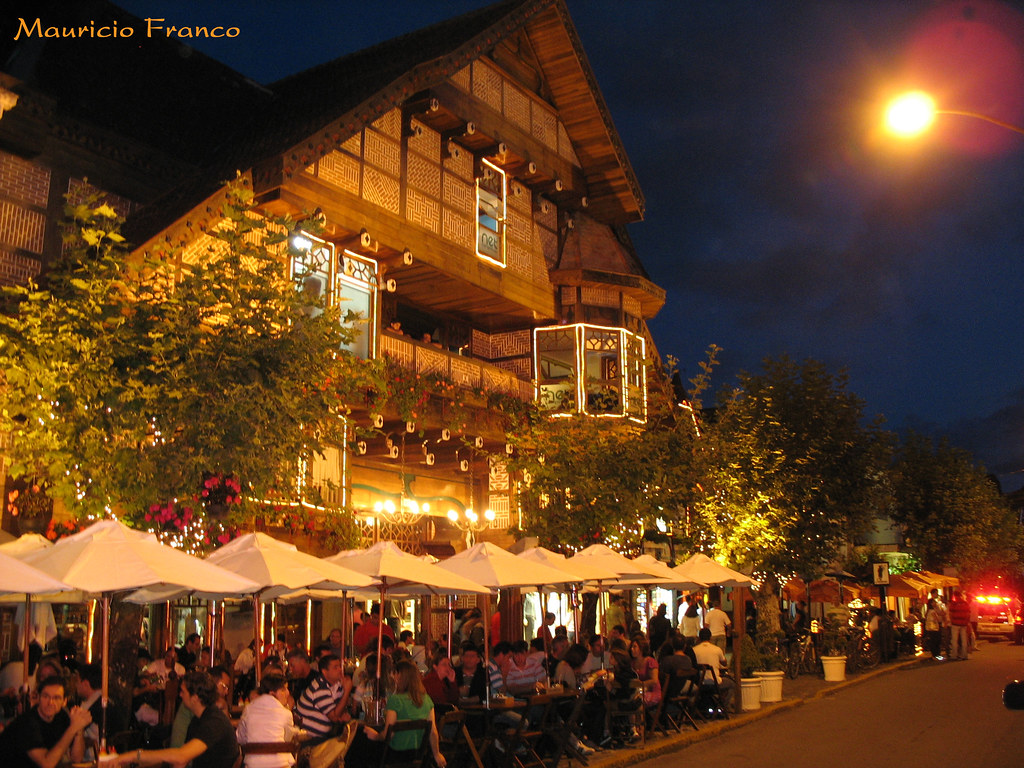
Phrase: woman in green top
(408, 702)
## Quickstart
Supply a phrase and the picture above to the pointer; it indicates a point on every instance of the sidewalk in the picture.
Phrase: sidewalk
(794, 693)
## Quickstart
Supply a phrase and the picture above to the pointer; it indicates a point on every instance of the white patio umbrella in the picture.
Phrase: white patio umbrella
(606, 557)
(400, 573)
(493, 567)
(109, 557)
(273, 569)
(702, 568)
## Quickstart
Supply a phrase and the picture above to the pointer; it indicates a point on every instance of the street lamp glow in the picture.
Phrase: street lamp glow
(910, 114)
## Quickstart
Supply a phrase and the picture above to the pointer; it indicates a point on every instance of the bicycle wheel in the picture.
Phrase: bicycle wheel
(793, 663)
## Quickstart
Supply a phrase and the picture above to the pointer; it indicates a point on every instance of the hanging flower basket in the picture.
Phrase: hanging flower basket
(31, 507)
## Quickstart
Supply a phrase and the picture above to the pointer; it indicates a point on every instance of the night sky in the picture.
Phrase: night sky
(779, 218)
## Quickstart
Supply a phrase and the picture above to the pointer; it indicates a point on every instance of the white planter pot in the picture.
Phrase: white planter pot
(835, 668)
(771, 685)
(750, 693)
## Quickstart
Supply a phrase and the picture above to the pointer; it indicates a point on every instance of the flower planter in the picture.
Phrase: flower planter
(835, 668)
(771, 685)
(750, 693)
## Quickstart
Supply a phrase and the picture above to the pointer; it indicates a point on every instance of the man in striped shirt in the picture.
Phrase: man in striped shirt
(324, 703)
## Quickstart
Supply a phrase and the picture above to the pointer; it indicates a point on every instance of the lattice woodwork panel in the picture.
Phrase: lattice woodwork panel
(481, 344)
(521, 367)
(465, 373)
(500, 381)
(518, 259)
(341, 170)
(390, 124)
(458, 229)
(354, 144)
(545, 126)
(565, 148)
(24, 180)
(599, 297)
(380, 189)
(511, 343)
(519, 227)
(383, 153)
(424, 175)
(461, 79)
(500, 505)
(16, 268)
(632, 306)
(408, 538)
(22, 228)
(428, 361)
(487, 83)
(422, 210)
(428, 143)
(459, 194)
(517, 107)
(497, 476)
(397, 349)
(568, 295)
(461, 166)
(519, 197)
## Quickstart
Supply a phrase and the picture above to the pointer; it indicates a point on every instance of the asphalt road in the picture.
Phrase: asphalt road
(938, 714)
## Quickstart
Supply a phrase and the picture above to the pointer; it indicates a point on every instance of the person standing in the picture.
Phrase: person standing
(959, 621)
(658, 627)
(719, 623)
(41, 737)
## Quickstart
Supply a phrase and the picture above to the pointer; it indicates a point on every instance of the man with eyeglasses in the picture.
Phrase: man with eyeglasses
(42, 736)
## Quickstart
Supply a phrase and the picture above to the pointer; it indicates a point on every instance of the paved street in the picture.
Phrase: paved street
(926, 715)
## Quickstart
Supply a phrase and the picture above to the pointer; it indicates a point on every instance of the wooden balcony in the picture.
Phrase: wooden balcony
(462, 371)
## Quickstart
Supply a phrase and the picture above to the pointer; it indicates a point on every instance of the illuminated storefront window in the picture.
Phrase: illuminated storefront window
(591, 369)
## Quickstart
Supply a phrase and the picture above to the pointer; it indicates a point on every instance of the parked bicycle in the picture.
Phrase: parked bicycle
(803, 656)
(861, 651)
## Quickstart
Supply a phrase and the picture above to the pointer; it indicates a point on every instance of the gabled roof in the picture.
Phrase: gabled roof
(313, 112)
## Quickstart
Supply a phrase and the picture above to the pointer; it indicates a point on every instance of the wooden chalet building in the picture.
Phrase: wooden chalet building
(472, 186)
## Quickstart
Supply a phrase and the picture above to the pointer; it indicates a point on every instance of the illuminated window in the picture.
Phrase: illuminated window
(491, 188)
(591, 369)
(349, 281)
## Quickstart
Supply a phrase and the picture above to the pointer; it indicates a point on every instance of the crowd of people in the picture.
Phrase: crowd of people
(188, 705)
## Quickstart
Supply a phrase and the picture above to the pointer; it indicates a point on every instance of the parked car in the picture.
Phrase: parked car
(997, 617)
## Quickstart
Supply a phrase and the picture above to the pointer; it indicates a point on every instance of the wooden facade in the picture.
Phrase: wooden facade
(473, 188)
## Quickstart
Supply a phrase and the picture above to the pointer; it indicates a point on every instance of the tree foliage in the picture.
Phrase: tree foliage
(951, 512)
(127, 379)
(789, 470)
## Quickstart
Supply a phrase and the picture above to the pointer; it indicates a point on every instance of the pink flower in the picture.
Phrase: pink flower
(229, 499)
(154, 507)
(205, 493)
(148, 516)
(224, 538)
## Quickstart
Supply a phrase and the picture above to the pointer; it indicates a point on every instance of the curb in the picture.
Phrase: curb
(631, 755)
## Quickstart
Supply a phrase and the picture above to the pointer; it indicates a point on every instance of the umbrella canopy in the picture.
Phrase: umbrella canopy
(21, 578)
(822, 591)
(936, 579)
(491, 566)
(898, 586)
(660, 575)
(29, 542)
(702, 568)
(581, 568)
(111, 557)
(403, 574)
(606, 557)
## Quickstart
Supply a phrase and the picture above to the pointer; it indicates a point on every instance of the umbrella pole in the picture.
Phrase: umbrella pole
(257, 635)
(451, 623)
(26, 632)
(544, 633)
(212, 631)
(380, 630)
(487, 648)
(346, 622)
(106, 671)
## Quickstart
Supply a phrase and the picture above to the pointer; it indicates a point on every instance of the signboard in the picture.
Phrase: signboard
(881, 573)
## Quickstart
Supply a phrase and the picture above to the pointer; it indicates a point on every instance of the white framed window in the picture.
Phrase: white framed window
(491, 202)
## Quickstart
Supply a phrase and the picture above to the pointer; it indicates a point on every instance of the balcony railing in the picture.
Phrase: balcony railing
(462, 371)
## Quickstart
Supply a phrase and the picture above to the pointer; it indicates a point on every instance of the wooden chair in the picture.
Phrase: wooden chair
(388, 755)
(565, 733)
(169, 705)
(454, 740)
(709, 696)
(678, 701)
(630, 712)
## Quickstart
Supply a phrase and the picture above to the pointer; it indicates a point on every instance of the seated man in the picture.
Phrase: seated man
(713, 656)
(41, 737)
(524, 671)
(324, 703)
(90, 683)
(599, 658)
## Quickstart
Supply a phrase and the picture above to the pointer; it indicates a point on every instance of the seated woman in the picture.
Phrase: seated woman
(646, 668)
(408, 702)
(439, 682)
(269, 719)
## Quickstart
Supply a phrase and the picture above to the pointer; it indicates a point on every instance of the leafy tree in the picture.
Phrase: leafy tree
(789, 472)
(951, 512)
(129, 380)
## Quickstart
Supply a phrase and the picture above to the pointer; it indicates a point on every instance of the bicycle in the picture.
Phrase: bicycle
(861, 651)
(803, 657)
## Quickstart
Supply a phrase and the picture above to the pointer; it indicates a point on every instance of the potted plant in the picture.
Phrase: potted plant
(833, 654)
(770, 671)
(750, 686)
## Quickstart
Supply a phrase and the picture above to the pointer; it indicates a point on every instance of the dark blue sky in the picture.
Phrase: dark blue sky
(778, 218)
